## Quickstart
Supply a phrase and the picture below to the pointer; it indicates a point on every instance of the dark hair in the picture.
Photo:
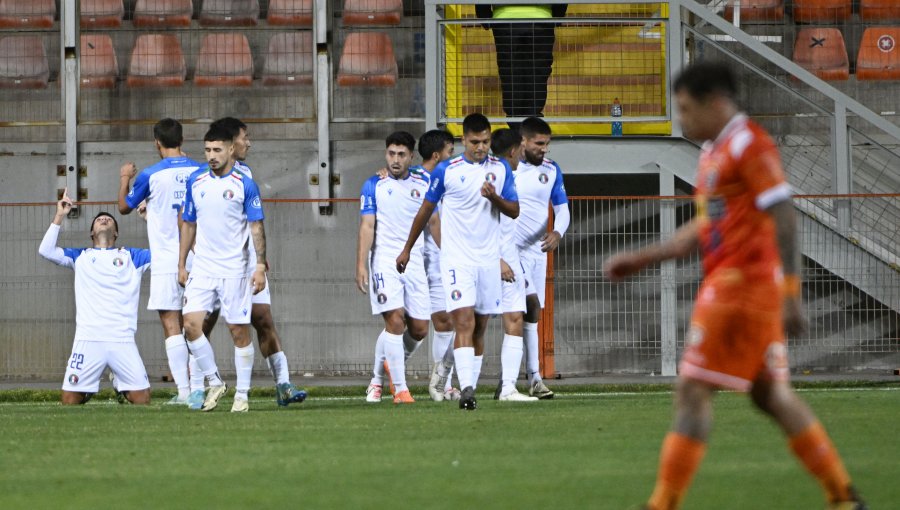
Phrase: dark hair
(706, 79)
(168, 133)
(401, 138)
(503, 140)
(534, 126)
(433, 141)
(230, 124)
(104, 213)
(218, 134)
(475, 123)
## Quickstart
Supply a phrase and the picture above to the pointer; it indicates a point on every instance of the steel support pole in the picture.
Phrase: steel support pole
(323, 100)
(69, 71)
(843, 178)
(668, 306)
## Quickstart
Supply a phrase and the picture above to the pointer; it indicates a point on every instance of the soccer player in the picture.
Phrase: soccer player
(261, 309)
(161, 187)
(107, 289)
(539, 181)
(470, 237)
(507, 145)
(222, 208)
(745, 229)
(387, 208)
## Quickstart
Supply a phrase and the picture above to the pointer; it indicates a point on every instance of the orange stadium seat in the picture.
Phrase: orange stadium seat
(229, 13)
(99, 67)
(163, 13)
(367, 60)
(879, 10)
(289, 60)
(373, 12)
(822, 11)
(293, 13)
(156, 61)
(821, 51)
(27, 13)
(23, 63)
(757, 10)
(224, 61)
(102, 13)
(879, 58)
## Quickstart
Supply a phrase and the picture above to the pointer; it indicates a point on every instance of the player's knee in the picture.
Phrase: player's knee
(418, 329)
(140, 397)
(513, 324)
(73, 398)
(261, 318)
(442, 322)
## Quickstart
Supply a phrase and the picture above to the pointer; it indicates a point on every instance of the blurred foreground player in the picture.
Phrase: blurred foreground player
(750, 295)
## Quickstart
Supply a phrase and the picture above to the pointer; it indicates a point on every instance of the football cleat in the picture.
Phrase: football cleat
(467, 399)
(241, 405)
(437, 383)
(174, 401)
(195, 400)
(513, 395)
(540, 390)
(213, 396)
(452, 394)
(287, 393)
(387, 373)
(403, 397)
(498, 390)
(373, 393)
(855, 503)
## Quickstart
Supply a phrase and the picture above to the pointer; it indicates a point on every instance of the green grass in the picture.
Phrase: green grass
(586, 451)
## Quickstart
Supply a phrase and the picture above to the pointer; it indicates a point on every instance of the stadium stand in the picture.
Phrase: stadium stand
(291, 13)
(224, 61)
(879, 10)
(27, 13)
(156, 61)
(372, 12)
(758, 11)
(289, 59)
(822, 11)
(102, 13)
(879, 58)
(99, 66)
(822, 52)
(229, 13)
(23, 63)
(367, 60)
(162, 13)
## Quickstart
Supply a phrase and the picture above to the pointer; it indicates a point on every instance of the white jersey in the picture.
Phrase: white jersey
(107, 287)
(508, 250)
(251, 261)
(470, 224)
(537, 186)
(394, 202)
(162, 186)
(432, 250)
(222, 208)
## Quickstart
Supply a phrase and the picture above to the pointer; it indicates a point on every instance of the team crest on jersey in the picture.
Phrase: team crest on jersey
(118, 262)
(382, 299)
(181, 177)
(228, 194)
(456, 295)
(490, 177)
(415, 193)
(73, 379)
(543, 178)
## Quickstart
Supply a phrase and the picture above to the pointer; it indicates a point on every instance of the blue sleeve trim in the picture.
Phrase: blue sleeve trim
(367, 205)
(190, 212)
(436, 188)
(252, 201)
(73, 253)
(140, 191)
(509, 184)
(139, 256)
(558, 194)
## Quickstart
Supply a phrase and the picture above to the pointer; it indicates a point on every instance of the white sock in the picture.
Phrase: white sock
(510, 360)
(197, 378)
(465, 361)
(177, 353)
(532, 362)
(410, 345)
(378, 367)
(476, 370)
(243, 365)
(439, 344)
(206, 359)
(449, 378)
(393, 351)
(279, 366)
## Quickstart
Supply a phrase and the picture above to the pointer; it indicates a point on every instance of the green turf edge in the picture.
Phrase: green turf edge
(45, 395)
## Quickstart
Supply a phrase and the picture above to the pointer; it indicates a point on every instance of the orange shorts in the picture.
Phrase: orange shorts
(736, 336)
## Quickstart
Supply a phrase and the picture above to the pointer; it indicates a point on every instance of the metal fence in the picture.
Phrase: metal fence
(327, 329)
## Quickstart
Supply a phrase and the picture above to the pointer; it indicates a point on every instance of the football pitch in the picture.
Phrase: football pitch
(584, 449)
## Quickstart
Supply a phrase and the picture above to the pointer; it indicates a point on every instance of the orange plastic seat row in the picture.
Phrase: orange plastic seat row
(99, 66)
(289, 60)
(156, 61)
(879, 10)
(757, 10)
(27, 13)
(822, 52)
(367, 60)
(102, 13)
(162, 13)
(23, 62)
(879, 58)
(822, 11)
(372, 12)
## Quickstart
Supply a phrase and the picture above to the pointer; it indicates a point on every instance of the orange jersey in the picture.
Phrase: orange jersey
(739, 176)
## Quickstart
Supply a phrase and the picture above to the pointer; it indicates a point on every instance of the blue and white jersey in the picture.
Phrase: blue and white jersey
(431, 250)
(394, 202)
(537, 186)
(107, 287)
(508, 250)
(251, 261)
(470, 224)
(162, 186)
(222, 207)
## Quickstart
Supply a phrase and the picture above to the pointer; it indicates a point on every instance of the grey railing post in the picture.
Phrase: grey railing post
(668, 320)
(840, 160)
(69, 72)
(323, 100)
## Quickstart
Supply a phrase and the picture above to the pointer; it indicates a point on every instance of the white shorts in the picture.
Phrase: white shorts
(165, 292)
(390, 290)
(201, 294)
(472, 286)
(536, 276)
(514, 292)
(435, 284)
(90, 359)
(264, 297)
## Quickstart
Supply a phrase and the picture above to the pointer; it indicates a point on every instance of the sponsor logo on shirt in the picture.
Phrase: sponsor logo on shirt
(181, 177)
(228, 194)
(256, 203)
(543, 178)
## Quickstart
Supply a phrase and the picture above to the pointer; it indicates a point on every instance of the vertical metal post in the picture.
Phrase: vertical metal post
(70, 73)
(675, 57)
(323, 100)
(668, 285)
(840, 154)
(432, 64)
